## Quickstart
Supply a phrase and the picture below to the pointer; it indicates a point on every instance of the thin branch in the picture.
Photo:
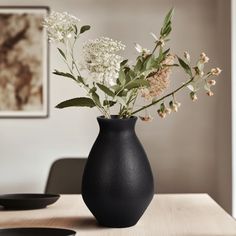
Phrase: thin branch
(161, 99)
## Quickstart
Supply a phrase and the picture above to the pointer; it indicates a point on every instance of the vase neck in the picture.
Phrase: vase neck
(116, 124)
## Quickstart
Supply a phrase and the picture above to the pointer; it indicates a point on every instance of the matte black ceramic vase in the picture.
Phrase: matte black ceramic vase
(117, 184)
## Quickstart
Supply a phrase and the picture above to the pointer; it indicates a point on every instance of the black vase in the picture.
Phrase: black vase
(117, 184)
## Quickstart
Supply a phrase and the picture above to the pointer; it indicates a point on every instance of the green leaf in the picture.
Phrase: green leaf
(76, 29)
(92, 90)
(109, 103)
(185, 66)
(138, 66)
(80, 79)
(123, 63)
(116, 87)
(166, 52)
(128, 78)
(96, 98)
(122, 77)
(77, 102)
(56, 72)
(131, 74)
(106, 90)
(169, 16)
(137, 83)
(62, 53)
(84, 28)
(166, 28)
(150, 63)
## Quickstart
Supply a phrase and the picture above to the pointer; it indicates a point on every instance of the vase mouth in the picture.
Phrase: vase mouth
(116, 117)
(116, 123)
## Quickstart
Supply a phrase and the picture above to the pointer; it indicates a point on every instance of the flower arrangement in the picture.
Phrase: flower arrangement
(111, 81)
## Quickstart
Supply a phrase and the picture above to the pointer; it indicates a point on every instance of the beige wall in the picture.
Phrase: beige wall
(189, 151)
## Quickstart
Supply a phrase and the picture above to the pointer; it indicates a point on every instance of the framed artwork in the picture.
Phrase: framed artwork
(23, 62)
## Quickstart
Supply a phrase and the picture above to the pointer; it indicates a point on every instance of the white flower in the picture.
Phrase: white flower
(140, 49)
(60, 26)
(154, 36)
(101, 59)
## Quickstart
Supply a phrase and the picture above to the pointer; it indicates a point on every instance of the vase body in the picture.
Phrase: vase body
(117, 184)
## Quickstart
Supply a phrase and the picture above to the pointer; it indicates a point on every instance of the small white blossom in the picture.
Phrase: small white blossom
(154, 36)
(60, 26)
(140, 49)
(101, 59)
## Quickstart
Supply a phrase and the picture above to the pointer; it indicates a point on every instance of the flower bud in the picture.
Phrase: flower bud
(211, 82)
(167, 110)
(216, 71)
(201, 73)
(193, 96)
(203, 54)
(146, 118)
(161, 113)
(175, 108)
(178, 104)
(187, 56)
(203, 57)
(210, 93)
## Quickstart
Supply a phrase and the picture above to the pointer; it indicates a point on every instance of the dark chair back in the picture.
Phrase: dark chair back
(65, 176)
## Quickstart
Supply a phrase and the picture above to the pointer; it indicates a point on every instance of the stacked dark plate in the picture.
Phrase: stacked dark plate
(31, 202)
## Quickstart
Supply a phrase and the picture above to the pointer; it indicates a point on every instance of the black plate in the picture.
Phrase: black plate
(36, 232)
(27, 201)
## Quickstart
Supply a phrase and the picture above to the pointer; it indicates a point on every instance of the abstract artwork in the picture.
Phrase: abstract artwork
(23, 62)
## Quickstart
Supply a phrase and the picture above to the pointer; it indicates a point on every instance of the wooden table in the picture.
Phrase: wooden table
(168, 214)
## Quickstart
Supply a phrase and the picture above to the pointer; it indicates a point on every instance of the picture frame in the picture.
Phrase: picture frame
(24, 62)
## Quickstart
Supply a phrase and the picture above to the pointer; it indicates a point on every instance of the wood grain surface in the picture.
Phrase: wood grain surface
(168, 214)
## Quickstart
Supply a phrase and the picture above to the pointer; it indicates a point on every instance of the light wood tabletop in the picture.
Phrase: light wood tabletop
(168, 214)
